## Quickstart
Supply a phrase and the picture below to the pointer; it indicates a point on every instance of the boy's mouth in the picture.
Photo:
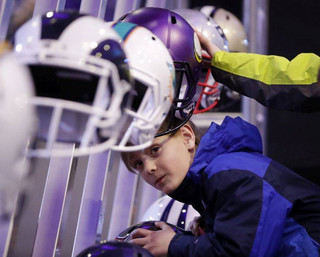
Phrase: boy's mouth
(160, 181)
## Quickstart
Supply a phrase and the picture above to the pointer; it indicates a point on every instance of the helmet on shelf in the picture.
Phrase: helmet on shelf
(152, 69)
(115, 249)
(172, 211)
(184, 47)
(18, 125)
(208, 91)
(231, 26)
(126, 235)
(82, 81)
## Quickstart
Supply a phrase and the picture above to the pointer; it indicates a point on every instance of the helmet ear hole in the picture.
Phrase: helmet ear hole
(173, 20)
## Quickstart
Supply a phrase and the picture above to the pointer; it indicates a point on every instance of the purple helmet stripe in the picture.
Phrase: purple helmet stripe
(166, 212)
(54, 23)
(183, 217)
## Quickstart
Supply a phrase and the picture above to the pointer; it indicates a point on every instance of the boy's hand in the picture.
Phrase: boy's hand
(156, 242)
(195, 226)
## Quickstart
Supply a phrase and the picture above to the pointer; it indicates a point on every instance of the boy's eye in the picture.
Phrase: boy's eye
(137, 164)
(155, 149)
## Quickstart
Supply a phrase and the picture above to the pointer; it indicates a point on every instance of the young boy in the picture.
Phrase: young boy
(252, 205)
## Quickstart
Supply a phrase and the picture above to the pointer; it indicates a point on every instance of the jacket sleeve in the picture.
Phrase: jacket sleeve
(245, 223)
(271, 80)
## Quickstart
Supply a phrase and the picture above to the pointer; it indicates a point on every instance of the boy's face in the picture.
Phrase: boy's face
(165, 163)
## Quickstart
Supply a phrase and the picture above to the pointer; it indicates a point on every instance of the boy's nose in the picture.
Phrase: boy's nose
(150, 166)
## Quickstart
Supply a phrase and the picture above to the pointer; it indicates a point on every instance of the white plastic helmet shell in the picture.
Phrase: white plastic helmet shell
(18, 123)
(206, 25)
(171, 211)
(153, 70)
(71, 121)
(231, 25)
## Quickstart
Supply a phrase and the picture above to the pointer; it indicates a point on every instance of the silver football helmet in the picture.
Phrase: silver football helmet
(231, 26)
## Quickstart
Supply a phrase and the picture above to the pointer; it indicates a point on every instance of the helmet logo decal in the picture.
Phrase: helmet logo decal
(124, 29)
(197, 48)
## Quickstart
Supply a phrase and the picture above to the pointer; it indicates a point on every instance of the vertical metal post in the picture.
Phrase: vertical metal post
(5, 14)
(145, 196)
(177, 4)
(123, 203)
(255, 19)
(91, 202)
(156, 3)
(122, 7)
(90, 6)
(52, 204)
(43, 6)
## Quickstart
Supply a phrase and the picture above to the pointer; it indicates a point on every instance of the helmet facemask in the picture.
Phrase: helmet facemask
(82, 83)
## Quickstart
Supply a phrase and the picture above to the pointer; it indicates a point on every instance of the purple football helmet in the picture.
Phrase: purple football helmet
(115, 249)
(125, 235)
(185, 49)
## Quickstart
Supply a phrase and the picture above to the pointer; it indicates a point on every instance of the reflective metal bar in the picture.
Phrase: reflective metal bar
(145, 196)
(52, 204)
(156, 3)
(90, 6)
(43, 6)
(123, 202)
(122, 7)
(255, 20)
(5, 14)
(90, 209)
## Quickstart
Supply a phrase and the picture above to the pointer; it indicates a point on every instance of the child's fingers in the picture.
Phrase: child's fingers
(139, 241)
(140, 232)
(162, 225)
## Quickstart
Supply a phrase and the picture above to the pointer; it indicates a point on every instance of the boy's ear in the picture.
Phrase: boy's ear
(188, 136)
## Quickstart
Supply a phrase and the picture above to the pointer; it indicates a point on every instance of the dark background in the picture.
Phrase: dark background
(294, 27)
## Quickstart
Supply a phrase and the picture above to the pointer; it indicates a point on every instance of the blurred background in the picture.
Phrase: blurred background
(285, 28)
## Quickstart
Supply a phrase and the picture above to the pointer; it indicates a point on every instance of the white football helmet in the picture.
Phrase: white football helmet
(185, 49)
(208, 90)
(152, 68)
(18, 124)
(231, 25)
(81, 79)
(171, 211)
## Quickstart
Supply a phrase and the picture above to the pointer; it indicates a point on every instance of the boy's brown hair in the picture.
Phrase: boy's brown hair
(125, 156)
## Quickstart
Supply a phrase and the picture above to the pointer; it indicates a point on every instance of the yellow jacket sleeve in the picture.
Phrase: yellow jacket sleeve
(274, 81)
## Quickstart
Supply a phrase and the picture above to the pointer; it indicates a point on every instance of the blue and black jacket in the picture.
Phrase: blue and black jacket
(252, 205)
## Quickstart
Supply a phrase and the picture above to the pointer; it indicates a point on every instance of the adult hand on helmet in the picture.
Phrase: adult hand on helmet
(206, 45)
(156, 242)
